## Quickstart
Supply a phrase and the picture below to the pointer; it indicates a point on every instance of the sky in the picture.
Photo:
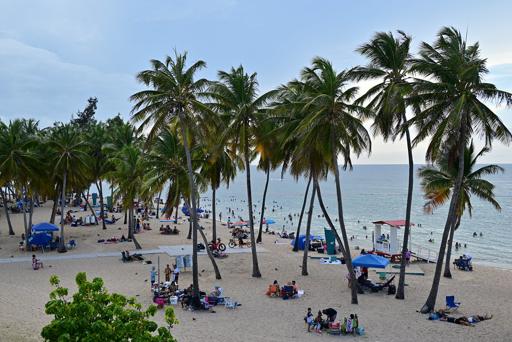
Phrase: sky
(54, 55)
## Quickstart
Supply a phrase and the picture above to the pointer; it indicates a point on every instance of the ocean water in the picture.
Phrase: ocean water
(371, 193)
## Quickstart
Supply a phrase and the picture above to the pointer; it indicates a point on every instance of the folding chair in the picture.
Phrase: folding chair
(451, 304)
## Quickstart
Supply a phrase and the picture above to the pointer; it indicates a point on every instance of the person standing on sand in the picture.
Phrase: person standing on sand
(407, 257)
(176, 274)
(153, 276)
(168, 272)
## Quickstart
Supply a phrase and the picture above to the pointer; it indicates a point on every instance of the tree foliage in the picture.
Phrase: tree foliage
(94, 314)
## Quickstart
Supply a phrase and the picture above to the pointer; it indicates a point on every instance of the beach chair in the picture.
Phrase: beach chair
(451, 304)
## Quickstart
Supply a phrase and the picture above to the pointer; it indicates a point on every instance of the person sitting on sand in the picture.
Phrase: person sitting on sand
(36, 263)
(295, 287)
(318, 322)
(273, 289)
(216, 292)
(162, 228)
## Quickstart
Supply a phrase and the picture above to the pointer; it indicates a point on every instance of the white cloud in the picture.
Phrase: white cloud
(35, 82)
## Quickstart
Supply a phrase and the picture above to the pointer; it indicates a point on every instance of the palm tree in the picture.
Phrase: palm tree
(18, 161)
(69, 158)
(437, 183)
(96, 136)
(330, 124)
(236, 98)
(173, 96)
(389, 63)
(218, 165)
(267, 146)
(450, 107)
(288, 113)
(128, 174)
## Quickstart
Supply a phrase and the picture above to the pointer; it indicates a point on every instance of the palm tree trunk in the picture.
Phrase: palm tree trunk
(255, 267)
(308, 231)
(296, 243)
(24, 208)
(328, 219)
(347, 256)
(102, 211)
(447, 273)
(267, 171)
(129, 214)
(6, 209)
(214, 220)
(31, 212)
(158, 205)
(135, 242)
(193, 214)
(125, 216)
(400, 292)
(54, 207)
(62, 245)
(88, 205)
(452, 213)
(189, 235)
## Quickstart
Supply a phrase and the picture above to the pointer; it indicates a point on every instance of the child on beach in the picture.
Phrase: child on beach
(309, 319)
(318, 322)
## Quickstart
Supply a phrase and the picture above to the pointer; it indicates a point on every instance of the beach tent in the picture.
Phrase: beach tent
(370, 261)
(44, 227)
(186, 211)
(302, 240)
(41, 239)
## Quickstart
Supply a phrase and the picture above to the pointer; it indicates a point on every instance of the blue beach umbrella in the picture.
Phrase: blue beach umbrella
(370, 261)
(40, 239)
(269, 221)
(44, 227)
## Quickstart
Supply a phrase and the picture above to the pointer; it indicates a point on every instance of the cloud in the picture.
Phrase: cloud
(37, 83)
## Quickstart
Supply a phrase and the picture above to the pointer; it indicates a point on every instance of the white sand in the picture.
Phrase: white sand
(24, 292)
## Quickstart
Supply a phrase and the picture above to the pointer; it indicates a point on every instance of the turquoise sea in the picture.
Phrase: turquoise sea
(377, 192)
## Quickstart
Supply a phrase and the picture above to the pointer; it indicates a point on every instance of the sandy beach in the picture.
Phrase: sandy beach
(25, 291)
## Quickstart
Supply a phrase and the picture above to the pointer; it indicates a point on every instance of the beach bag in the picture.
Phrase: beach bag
(360, 331)
(391, 289)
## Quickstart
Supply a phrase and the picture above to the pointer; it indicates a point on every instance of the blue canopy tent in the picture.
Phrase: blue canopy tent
(40, 240)
(302, 240)
(370, 261)
(186, 211)
(45, 227)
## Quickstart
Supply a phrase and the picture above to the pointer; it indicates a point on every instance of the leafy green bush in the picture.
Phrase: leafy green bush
(93, 314)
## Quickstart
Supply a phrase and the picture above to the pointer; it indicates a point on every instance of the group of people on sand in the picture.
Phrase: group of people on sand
(167, 230)
(328, 323)
(290, 290)
(443, 315)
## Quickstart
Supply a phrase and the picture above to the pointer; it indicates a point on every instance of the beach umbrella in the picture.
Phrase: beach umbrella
(269, 221)
(40, 239)
(44, 227)
(370, 261)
